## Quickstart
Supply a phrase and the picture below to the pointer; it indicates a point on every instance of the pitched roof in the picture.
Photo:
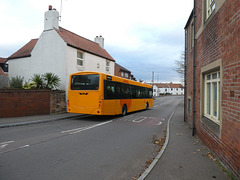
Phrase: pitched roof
(122, 68)
(72, 40)
(175, 85)
(168, 85)
(3, 60)
(25, 51)
(82, 43)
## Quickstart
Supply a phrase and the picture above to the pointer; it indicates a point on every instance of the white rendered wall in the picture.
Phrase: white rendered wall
(91, 63)
(48, 55)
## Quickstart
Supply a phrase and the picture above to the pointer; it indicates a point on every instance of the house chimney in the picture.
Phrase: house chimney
(51, 19)
(100, 41)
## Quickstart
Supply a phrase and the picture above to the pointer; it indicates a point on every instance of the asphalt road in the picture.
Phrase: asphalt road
(90, 147)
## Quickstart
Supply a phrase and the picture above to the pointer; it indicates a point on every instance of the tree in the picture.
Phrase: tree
(179, 66)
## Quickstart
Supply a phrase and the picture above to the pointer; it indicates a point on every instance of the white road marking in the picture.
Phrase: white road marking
(4, 144)
(74, 131)
(141, 119)
(8, 142)
(23, 146)
(159, 123)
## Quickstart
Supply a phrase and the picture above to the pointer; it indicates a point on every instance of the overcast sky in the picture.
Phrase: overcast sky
(143, 36)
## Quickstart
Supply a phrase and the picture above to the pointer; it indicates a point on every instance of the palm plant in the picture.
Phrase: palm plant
(51, 80)
(38, 80)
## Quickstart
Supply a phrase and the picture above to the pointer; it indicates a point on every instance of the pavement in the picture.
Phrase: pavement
(183, 156)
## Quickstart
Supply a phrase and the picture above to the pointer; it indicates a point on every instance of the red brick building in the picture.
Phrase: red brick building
(212, 94)
(123, 72)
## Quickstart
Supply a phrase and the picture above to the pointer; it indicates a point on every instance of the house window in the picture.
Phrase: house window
(122, 74)
(126, 75)
(212, 96)
(79, 58)
(210, 7)
(189, 105)
(107, 65)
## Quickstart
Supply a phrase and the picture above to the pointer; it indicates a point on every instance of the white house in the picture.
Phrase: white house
(167, 88)
(61, 52)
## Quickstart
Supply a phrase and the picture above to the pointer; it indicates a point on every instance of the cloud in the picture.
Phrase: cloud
(143, 36)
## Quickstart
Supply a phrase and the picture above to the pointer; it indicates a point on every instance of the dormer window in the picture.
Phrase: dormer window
(80, 58)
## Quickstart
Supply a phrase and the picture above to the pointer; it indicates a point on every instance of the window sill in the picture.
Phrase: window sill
(211, 125)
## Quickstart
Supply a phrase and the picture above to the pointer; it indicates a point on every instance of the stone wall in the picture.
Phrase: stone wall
(57, 102)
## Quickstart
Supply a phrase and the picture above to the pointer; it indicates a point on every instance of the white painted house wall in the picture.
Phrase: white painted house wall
(52, 54)
(174, 91)
(48, 55)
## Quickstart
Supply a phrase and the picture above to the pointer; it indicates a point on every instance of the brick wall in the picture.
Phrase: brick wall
(16, 103)
(220, 39)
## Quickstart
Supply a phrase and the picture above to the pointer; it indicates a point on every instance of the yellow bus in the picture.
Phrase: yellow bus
(103, 94)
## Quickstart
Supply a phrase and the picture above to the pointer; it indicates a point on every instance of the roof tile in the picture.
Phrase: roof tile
(25, 51)
(82, 43)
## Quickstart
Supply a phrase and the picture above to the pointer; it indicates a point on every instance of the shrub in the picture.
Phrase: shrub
(30, 85)
(46, 81)
(51, 80)
(16, 82)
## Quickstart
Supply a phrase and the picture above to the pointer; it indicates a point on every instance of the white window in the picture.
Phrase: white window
(107, 65)
(79, 58)
(212, 96)
(126, 75)
(122, 74)
(210, 7)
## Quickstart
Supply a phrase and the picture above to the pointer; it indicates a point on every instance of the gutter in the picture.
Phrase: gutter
(194, 70)
(185, 75)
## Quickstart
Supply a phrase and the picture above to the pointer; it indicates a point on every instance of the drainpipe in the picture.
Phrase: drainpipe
(194, 69)
(185, 75)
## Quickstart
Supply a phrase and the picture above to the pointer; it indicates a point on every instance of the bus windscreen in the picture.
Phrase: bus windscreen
(85, 82)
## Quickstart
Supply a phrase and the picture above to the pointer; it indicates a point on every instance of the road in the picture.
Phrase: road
(87, 147)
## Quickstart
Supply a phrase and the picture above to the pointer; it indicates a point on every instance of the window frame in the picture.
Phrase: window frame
(107, 65)
(81, 59)
(210, 96)
(210, 6)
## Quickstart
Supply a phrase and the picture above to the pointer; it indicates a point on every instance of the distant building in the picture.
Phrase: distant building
(3, 67)
(61, 52)
(212, 98)
(167, 88)
(123, 72)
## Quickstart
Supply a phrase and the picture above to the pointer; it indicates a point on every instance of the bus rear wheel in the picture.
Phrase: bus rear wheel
(124, 110)
(147, 106)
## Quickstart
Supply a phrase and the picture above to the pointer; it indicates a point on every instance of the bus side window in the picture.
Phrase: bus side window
(109, 90)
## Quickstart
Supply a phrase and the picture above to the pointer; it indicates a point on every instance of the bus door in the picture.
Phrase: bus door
(110, 101)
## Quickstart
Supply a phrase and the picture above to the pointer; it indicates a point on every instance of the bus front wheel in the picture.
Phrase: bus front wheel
(124, 110)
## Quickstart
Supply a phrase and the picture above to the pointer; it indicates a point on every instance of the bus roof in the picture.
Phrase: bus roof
(115, 77)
